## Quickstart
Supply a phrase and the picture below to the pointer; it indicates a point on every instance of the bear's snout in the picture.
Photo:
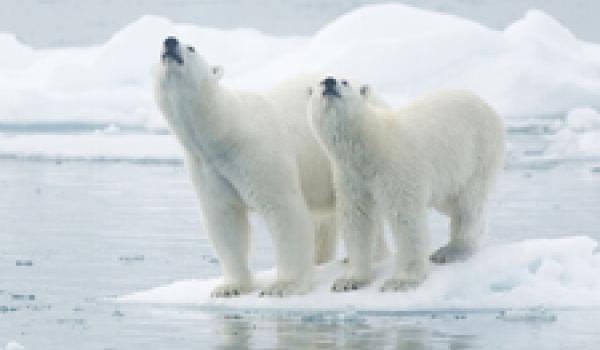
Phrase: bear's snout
(171, 50)
(330, 87)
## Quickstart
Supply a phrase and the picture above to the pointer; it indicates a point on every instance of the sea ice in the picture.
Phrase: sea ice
(550, 272)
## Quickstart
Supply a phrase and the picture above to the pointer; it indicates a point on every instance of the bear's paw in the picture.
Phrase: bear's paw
(283, 288)
(451, 253)
(348, 284)
(231, 290)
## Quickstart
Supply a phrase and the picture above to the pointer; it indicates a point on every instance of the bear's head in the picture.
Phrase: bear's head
(337, 98)
(180, 64)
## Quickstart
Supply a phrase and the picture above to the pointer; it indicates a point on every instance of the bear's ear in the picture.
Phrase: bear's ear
(309, 91)
(217, 72)
(365, 90)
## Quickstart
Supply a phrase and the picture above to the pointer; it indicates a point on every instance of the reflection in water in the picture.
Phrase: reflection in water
(332, 331)
(236, 332)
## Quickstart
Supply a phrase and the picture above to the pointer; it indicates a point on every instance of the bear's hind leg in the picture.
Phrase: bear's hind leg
(467, 227)
(325, 237)
(380, 249)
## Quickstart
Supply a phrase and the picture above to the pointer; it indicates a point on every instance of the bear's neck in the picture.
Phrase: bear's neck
(351, 137)
(202, 122)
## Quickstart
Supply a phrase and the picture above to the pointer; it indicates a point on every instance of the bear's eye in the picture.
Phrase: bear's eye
(191, 49)
(344, 82)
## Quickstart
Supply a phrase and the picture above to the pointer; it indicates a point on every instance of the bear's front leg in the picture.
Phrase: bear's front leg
(228, 232)
(358, 220)
(290, 224)
(409, 227)
(291, 227)
(226, 222)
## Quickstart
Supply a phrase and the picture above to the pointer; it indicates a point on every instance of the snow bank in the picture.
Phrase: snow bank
(549, 272)
(579, 137)
(535, 66)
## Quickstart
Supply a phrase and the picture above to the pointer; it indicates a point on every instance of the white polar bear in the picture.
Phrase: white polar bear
(247, 151)
(442, 151)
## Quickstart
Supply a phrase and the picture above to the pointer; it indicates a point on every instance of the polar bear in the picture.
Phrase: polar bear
(248, 151)
(442, 151)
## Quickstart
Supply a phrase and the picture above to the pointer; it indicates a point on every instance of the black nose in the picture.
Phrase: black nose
(171, 44)
(329, 86)
(329, 83)
(171, 51)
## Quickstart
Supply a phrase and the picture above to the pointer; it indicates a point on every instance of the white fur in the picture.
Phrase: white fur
(249, 151)
(441, 151)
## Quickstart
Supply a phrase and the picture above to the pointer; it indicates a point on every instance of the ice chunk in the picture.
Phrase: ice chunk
(23, 297)
(583, 119)
(13, 345)
(5, 309)
(111, 129)
(580, 136)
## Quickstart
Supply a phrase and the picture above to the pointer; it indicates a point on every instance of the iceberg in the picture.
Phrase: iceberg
(533, 67)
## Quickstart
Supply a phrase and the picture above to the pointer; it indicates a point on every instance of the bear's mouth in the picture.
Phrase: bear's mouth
(172, 55)
(331, 93)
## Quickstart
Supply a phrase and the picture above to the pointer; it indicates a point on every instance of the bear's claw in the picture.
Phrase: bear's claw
(450, 254)
(348, 284)
(229, 291)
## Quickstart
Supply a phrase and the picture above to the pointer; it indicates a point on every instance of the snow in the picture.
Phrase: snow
(550, 272)
(535, 66)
